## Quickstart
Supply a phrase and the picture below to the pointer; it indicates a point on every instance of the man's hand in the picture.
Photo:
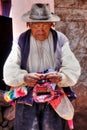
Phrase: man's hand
(32, 78)
(54, 77)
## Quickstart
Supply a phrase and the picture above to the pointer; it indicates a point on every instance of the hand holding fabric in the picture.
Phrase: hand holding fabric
(54, 77)
(32, 78)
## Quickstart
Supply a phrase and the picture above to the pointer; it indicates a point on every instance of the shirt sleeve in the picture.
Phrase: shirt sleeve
(70, 70)
(12, 73)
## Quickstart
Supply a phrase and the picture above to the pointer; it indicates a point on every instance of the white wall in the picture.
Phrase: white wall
(19, 7)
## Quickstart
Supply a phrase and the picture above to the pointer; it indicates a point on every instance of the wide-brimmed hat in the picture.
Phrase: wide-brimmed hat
(40, 13)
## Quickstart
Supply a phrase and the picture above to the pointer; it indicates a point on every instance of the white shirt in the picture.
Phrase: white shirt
(41, 57)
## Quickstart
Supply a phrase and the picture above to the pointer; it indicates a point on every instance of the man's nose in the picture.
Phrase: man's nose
(41, 29)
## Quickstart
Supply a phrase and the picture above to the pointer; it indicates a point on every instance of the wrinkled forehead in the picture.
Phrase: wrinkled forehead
(44, 23)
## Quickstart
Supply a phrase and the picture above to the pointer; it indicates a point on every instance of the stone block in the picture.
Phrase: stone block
(66, 3)
(74, 4)
(78, 15)
(72, 14)
(82, 4)
(1, 128)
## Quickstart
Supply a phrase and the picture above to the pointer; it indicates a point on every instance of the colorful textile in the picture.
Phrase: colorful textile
(15, 93)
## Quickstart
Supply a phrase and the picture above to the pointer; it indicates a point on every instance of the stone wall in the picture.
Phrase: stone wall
(73, 24)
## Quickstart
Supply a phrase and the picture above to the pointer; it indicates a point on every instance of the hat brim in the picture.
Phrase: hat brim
(52, 18)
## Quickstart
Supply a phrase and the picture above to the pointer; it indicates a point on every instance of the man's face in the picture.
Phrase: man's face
(41, 30)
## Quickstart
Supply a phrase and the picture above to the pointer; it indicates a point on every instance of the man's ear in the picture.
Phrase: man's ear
(53, 25)
(28, 24)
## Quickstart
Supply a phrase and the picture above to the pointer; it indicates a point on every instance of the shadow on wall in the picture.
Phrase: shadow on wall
(5, 44)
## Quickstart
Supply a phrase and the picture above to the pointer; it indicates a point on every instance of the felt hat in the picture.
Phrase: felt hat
(40, 12)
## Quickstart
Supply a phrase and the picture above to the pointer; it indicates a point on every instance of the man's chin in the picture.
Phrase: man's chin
(41, 38)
